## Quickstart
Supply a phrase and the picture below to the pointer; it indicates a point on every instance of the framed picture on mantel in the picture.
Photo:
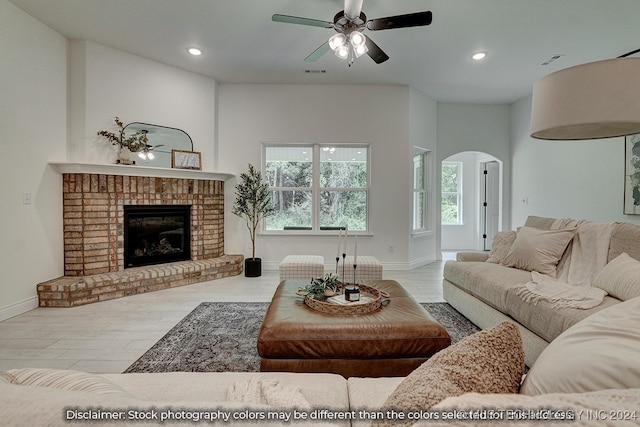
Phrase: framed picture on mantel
(181, 159)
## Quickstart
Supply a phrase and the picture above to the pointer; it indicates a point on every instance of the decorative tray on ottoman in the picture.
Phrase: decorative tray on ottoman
(370, 300)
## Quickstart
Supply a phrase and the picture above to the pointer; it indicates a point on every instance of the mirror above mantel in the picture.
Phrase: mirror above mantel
(163, 139)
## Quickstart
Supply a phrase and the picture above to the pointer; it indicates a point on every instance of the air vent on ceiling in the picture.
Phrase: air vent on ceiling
(315, 71)
(554, 58)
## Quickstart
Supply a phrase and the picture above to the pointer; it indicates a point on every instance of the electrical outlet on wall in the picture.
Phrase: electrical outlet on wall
(390, 249)
(26, 198)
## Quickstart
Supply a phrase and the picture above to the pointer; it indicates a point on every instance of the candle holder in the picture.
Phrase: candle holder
(344, 257)
(355, 282)
(337, 262)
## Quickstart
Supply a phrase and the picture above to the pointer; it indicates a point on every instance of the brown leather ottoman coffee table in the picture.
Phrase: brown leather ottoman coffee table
(391, 341)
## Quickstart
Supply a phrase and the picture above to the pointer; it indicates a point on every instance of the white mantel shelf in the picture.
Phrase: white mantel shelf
(133, 170)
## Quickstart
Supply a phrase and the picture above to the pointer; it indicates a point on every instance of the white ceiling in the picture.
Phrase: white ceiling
(242, 45)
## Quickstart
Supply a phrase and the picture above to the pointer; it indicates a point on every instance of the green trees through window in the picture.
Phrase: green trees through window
(317, 186)
(451, 192)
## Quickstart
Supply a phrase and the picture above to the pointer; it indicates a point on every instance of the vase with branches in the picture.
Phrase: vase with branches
(253, 204)
(134, 143)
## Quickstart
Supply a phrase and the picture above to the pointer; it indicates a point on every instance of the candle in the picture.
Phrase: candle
(346, 237)
(339, 237)
(355, 252)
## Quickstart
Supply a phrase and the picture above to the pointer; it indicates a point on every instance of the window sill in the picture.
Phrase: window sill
(421, 234)
(307, 233)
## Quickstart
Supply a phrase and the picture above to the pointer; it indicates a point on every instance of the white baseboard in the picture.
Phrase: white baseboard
(17, 308)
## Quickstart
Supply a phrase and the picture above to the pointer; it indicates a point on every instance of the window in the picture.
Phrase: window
(420, 190)
(451, 193)
(317, 187)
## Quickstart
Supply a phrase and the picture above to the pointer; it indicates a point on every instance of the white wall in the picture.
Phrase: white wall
(482, 128)
(577, 179)
(465, 235)
(33, 84)
(106, 83)
(423, 133)
(379, 115)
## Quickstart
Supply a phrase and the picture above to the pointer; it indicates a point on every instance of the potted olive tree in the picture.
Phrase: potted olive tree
(253, 203)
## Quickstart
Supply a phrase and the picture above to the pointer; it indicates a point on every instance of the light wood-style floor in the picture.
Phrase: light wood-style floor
(109, 336)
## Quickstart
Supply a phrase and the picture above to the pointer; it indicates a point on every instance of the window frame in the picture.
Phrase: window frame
(458, 193)
(316, 189)
(425, 190)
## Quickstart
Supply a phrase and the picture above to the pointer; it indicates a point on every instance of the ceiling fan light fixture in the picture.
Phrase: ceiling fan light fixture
(342, 52)
(357, 39)
(360, 50)
(478, 56)
(337, 41)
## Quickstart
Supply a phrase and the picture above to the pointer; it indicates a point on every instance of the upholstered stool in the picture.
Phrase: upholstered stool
(301, 267)
(369, 268)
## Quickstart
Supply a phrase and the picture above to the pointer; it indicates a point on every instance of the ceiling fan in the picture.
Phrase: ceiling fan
(349, 43)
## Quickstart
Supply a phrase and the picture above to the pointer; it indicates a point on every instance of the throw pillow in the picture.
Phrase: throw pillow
(599, 352)
(489, 361)
(538, 250)
(620, 277)
(502, 242)
(65, 380)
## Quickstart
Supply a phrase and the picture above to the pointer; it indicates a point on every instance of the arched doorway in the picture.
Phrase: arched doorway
(471, 201)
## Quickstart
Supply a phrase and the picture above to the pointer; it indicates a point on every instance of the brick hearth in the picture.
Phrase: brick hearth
(93, 212)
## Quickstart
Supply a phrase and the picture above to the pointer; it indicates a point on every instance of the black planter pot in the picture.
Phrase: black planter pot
(252, 267)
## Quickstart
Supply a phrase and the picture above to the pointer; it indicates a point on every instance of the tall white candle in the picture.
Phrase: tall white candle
(339, 237)
(355, 252)
(346, 238)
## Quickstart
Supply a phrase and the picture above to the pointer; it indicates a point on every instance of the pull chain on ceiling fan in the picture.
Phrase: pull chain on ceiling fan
(350, 43)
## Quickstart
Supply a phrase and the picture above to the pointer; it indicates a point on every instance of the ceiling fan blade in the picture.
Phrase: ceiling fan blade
(301, 21)
(317, 54)
(375, 52)
(400, 21)
(352, 8)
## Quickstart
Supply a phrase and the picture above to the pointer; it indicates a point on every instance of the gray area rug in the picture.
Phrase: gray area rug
(222, 337)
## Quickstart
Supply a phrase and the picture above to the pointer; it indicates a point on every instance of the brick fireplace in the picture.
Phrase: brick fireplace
(94, 200)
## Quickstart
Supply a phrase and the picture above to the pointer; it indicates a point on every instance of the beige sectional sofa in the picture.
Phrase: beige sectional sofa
(489, 292)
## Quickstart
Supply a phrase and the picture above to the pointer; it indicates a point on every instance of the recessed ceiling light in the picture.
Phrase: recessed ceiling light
(478, 56)
(194, 51)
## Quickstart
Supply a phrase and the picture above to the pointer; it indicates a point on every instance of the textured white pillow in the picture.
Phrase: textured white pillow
(597, 353)
(489, 361)
(538, 250)
(502, 242)
(620, 277)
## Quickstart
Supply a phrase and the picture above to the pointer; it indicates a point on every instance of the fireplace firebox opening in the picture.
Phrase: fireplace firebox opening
(156, 234)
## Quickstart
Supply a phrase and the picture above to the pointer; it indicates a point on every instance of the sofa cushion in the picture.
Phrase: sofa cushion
(624, 238)
(538, 250)
(319, 389)
(540, 222)
(544, 320)
(502, 242)
(33, 406)
(65, 380)
(486, 281)
(600, 352)
(620, 277)
(489, 361)
(589, 409)
(371, 393)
